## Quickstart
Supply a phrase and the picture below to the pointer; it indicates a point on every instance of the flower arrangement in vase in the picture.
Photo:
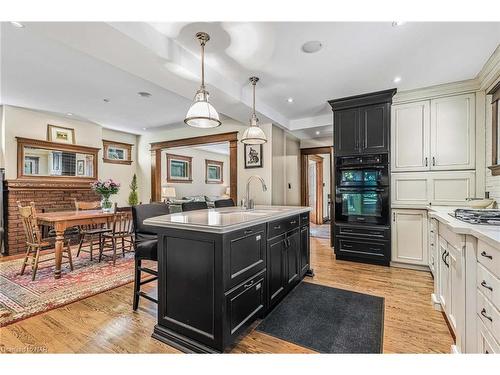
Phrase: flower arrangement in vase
(106, 189)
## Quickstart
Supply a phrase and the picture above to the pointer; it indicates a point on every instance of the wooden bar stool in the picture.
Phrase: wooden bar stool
(90, 234)
(121, 231)
(34, 241)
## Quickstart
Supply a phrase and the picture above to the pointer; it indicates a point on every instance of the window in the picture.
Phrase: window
(213, 171)
(31, 165)
(495, 129)
(179, 168)
(117, 152)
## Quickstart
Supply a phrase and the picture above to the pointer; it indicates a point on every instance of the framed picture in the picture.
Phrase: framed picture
(213, 172)
(253, 156)
(179, 168)
(80, 167)
(60, 134)
(117, 152)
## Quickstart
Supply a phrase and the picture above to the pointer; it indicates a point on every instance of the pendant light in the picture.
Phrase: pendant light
(202, 114)
(254, 135)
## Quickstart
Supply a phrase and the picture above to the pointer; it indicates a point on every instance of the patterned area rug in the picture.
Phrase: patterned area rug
(21, 298)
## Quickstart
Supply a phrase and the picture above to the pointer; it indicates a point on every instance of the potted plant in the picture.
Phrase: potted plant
(133, 199)
(106, 189)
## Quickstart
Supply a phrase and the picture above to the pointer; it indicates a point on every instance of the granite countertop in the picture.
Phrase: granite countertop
(487, 233)
(223, 220)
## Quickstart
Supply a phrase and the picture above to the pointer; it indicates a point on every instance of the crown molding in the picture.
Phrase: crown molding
(445, 89)
(490, 72)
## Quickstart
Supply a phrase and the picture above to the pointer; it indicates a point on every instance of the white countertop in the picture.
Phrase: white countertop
(223, 220)
(487, 233)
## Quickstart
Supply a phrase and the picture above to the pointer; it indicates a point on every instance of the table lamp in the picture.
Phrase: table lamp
(168, 192)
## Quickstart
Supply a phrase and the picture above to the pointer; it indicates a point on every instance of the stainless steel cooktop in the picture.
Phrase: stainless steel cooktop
(485, 217)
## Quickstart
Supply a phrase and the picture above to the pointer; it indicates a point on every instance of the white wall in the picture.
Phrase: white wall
(279, 169)
(292, 166)
(22, 122)
(2, 138)
(316, 142)
(198, 186)
(180, 131)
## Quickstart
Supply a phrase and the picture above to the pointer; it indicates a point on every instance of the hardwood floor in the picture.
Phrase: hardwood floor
(105, 323)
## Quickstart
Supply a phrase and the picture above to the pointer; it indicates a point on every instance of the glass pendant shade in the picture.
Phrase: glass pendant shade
(254, 135)
(202, 114)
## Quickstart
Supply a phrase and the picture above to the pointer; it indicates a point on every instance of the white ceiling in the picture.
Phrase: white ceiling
(71, 67)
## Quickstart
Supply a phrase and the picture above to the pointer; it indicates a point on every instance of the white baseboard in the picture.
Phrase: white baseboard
(454, 350)
(436, 303)
(416, 267)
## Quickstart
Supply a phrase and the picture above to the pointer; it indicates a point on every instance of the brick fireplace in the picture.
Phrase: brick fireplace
(48, 196)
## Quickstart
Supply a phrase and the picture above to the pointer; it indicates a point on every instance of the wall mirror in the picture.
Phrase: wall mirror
(42, 159)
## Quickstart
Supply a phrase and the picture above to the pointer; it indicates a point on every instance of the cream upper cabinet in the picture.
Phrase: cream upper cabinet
(410, 136)
(453, 133)
(409, 237)
(436, 134)
(410, 189)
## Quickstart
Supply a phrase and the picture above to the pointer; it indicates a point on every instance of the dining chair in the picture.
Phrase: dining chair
(34, 241)
(121, 232)
(192, 206)
(224, 203)
(90, 234)
(146, 246)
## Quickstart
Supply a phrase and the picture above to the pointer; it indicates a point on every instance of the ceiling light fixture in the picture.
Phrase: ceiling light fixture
(19, 25)
(254, 135)
(312, 46)
(317, 132)
(398, 23)
(396, 79)
(69, 114)
(144, 94)
(106, 100)
(144, 128)
(290, 100)
(202, 114)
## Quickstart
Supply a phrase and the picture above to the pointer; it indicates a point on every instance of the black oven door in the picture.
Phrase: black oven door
(363, 176)
(368, 205)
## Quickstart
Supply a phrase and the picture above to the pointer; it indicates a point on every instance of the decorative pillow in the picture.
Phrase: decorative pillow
(195, 198)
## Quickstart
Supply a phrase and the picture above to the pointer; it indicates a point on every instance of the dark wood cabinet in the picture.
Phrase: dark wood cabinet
(304, 249)
(361, 123)
(212, 286)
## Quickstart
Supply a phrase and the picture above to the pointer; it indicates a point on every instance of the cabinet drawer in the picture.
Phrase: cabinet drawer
(277, 227)
(454, 239)
(489, 315)
(486, 344)
(244, 254)
(361, 249)
(489, 257)
(488, 284)
(244, 303)
(362, 232)
(304, 218)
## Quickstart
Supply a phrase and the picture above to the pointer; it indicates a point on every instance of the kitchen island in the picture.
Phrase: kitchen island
(221, 269)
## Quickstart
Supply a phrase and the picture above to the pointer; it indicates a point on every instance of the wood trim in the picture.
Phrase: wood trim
(157, 147)
(316, 150)
(221, 166)
(187, 159)
(212, 138)
(128, 146)
(318, 210)
(47, 184)
(49, 134)
(23, 142)
(495, 166)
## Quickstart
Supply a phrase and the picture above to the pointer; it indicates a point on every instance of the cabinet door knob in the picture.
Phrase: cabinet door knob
(483, 313)
(484, 254)
(426, 161)
(484, 285)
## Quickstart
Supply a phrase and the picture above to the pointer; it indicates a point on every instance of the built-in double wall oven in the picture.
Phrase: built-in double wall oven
(362, 189)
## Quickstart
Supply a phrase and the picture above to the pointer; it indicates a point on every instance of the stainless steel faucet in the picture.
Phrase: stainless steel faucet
(249, 203)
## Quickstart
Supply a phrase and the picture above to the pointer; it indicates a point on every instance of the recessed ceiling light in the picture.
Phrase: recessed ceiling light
(106, 100)
(144, 128)
(290, 100)
(312, 46)
(19, 25)
(144, 94)
(396, 79)
(317, 132)
(69, 114)
(398, 23)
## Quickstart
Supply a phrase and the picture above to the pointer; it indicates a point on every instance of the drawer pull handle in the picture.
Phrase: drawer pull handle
(293, 222)
(249, 284)
(248, 231)
(483, 313)
(347, 246)
(484, 254)
(347, 230)
(484, 285)
(277, 226)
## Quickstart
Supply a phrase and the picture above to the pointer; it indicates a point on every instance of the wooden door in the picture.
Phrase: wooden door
(315, 188)
(346, 132)
(410, 137)
(453, 132)
(409, 237)
(374, 128)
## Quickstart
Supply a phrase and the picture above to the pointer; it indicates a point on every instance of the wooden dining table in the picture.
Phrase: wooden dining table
(62, 220)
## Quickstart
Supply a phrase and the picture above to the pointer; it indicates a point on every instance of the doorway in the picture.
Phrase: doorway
(317, 188)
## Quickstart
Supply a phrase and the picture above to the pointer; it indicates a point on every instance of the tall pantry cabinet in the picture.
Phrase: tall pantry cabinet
(432, 163)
